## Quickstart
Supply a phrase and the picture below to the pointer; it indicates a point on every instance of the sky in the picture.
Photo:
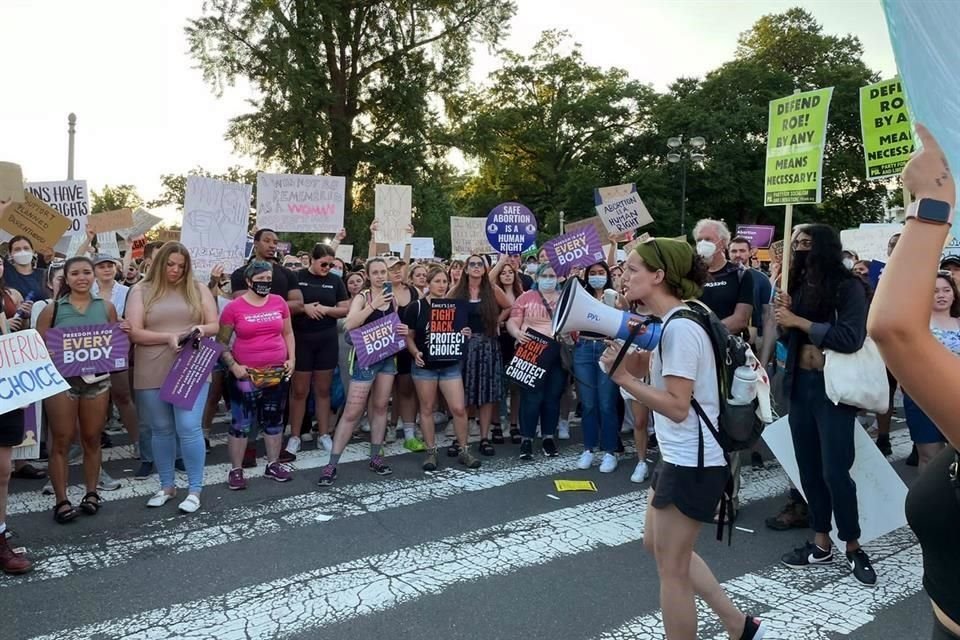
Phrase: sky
(143, 109)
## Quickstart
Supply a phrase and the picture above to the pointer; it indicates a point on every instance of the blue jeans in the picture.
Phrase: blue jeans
(168, 424)
(543, 406)
(598, 397)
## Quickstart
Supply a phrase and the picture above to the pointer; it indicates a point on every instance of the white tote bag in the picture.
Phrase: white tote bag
(857, 379)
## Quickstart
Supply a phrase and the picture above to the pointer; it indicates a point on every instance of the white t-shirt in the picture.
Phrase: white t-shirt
(118, 296)
(687, 353)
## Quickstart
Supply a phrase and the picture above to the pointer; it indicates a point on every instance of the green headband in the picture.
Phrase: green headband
(675, 259)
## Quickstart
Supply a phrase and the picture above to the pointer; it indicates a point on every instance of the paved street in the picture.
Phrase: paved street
(497, 553)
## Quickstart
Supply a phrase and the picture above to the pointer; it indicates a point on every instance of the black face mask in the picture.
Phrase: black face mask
(800, 258)
(262, 289)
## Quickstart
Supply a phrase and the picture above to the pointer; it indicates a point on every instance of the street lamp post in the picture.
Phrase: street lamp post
(681, 152)
(71, 132)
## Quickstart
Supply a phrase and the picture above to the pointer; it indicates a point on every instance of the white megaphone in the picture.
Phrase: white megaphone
(577, 310)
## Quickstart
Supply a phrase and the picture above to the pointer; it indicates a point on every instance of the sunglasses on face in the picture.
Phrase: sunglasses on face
(474, 263)
(325, 265)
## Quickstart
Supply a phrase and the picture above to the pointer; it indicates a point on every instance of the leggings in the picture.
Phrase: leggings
(266, 406)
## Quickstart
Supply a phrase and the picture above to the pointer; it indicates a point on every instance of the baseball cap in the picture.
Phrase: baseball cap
(100, 258)
(954, 260)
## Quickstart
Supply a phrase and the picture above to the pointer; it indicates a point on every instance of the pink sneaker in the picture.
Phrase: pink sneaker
(236, 481)
(278, 471)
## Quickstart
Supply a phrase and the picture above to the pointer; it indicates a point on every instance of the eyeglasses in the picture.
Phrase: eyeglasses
(802, 243)
(474, 263)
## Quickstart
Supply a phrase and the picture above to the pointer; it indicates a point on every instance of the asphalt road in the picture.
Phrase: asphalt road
(496, 553)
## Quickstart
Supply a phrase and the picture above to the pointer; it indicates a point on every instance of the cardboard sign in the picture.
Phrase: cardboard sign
(468, 236)
(511, 228)
(625, 214)
(881, 494)
(594, 222)
(137, 245)
(88, 350)
(393, 207)
(532, 359)
(27, 374)
(35, 220)
(169, 235)
(885, 125)
(796, 134)
(11, 182)
(301, 203)
(580, 248)
(143, 221)
(345, 252)
(759, 235)
(215, 218)
(71, 199)
(616, 192)
(377, 341)
(190, 373)
(110, 221)
(445, 341)
(29, 447)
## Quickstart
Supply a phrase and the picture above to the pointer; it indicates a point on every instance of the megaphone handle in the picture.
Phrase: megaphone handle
(634, 330)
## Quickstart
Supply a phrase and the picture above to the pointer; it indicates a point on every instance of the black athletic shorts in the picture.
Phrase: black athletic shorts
(696, 498)
(11, 428)
(317, 351)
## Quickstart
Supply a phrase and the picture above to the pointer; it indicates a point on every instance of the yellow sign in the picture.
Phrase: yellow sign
(36, 220)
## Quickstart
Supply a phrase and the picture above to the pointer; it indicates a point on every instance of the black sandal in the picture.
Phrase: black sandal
(29, 472)
(453, 450)
(485, 448)
(515, 435)
(496, 435)
(65, 516)
(88, 506)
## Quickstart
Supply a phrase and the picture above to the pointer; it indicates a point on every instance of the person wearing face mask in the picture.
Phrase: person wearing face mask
(534, 310)
(849, 259)
(24, 277)
(825, 308)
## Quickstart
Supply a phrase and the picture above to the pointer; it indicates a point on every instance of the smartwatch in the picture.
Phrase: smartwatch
(930, 211)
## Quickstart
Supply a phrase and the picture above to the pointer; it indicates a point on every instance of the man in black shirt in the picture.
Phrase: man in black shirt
(729, 292)
(284, 281)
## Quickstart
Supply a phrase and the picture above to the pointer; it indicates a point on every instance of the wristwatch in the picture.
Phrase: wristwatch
(930, 211)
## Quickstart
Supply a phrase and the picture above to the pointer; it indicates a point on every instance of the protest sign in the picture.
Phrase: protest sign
(796, 134)
(137, 245)
(594, 222)
(143, 221)
(616, 192)
(110, 221)
(444, 338)
(580, 248)
(532, 359)
(190, 373)
(420, 248)
(467, 235)
(70, 198)
(759, 235)
(215, 218)
(88, 350)
(876, 270)
(951, 248)
(885, 125)
(511, 228)
(27, 374)
(107, 243)
(624, 214)
(35, 220)
(309, 204)
(393, 206)
(11, 182)
(870, 241)
(29, 447)
(377, 340)
(284, 248)
(169, 235)
(881, 494)
(345, 252)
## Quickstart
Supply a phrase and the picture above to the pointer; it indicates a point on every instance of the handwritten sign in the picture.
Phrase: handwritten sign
(511, 228)
(143, 221)
(393, 206)
(378, 340)
(215, 217)
(11, 182)
(190, 373)
(169, 235)
(532, 359)
(580, 248)
(345, 252)
(137, 245)
(869, 241)
(110, 221)
(35, 220)
(27, 374)
(302, 203)
(444, 338)
(467, 235)
(625, 214)
(616, 192)
(759, 235)
(71, 199)
(88, 350)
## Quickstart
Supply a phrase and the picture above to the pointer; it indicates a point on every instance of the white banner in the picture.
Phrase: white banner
(625, 214)
(71, 199)
(302, 203)
(215, 218)
(392, 210)
(345, 252)
(27, 374)
(421, 248)
(143, 221)
(468, 235)
(870, 240)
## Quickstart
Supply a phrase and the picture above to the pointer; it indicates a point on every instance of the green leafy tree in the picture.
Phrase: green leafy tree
(123, 196)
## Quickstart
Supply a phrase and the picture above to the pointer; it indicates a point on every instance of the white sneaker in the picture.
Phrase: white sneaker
(159, 499)
(440, 417)
(326, 442)
(640, 473)
(450, 431)
(609, 463)
(293, 445)
(47, 489)
(306, 437)
(364, 424)
(563, 430)
(106, 483)
(586, 460)
(190, 505)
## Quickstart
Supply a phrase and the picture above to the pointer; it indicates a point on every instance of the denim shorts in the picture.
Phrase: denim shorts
(450, 372)
(387, 366)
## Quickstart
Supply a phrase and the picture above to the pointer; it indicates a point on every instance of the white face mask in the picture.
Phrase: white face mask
(23, 258)
(848, 264)
(706, 249)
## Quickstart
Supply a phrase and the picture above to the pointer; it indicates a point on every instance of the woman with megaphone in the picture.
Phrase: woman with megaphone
(663, 273)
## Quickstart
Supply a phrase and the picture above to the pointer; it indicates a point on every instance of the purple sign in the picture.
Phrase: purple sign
(88, 350)
(580, 248)
(378, 340)
(511, 228)
(191, 370)
(759, 235)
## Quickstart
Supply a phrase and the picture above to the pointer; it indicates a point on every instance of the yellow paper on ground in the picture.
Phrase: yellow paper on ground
(574, 485)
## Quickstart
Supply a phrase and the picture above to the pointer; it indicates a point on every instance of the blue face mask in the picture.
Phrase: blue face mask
(597, 282)
(547, 284)
(337, 272)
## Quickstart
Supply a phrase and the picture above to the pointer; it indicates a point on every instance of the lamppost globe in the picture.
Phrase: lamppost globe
(697, 142)
(674, 142)
(673, 158)
(697, 157)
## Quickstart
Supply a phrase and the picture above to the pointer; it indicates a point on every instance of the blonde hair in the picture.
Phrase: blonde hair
(156, 286)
